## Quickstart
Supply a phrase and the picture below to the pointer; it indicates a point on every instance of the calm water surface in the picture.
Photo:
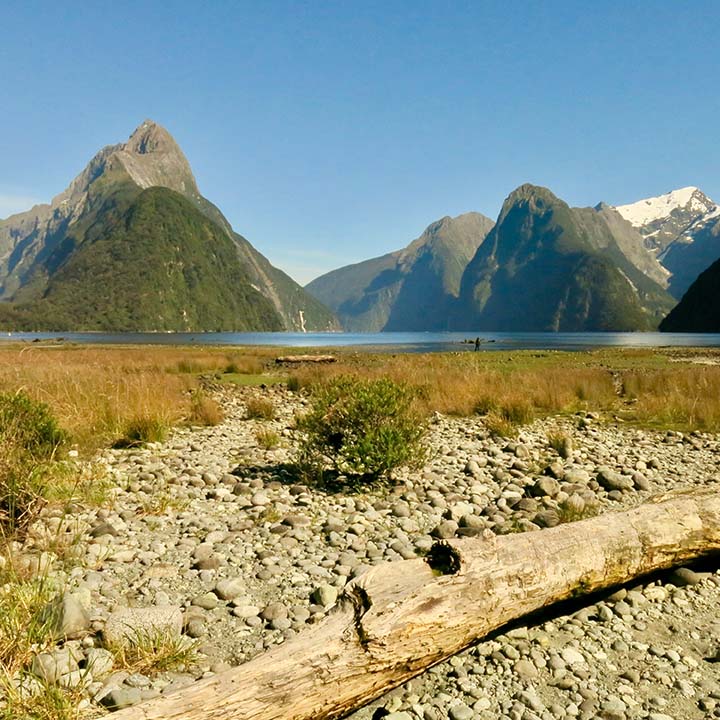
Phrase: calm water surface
(390, 341)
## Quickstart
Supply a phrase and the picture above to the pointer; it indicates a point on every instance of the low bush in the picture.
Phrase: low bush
(363, 427)
(29, 438)
(29, 425)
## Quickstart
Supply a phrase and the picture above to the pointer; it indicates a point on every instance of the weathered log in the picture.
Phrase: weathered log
(290, 359)
(400, 618)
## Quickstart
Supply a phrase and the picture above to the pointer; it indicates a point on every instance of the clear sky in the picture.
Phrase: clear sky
(330, 132)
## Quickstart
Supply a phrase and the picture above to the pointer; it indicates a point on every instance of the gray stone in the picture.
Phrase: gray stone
(640, 481)
(576, 476)
(325, 595)
(99, 662)
(684, 576)
(572, 656)
(460, 712)
(546, 486)
(611, 480)
(126, 624)
(525, 669)
(121, 697)
(445, 530)
(51, 666)
(195, 628)
(273, 611)
(69, 613)
(206, 601)
(547, 518)
(230, 589)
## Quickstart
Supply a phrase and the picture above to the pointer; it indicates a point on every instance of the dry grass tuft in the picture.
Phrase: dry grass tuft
(267, 438)
(204, 410)
(259, 409)
(150, 653)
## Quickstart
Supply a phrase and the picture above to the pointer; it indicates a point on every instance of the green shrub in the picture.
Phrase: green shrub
(29, 425)
(363, 427)
(29, 438)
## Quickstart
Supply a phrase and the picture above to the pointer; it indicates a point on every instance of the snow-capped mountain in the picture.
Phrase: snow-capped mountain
(683, 228)
(663, 219)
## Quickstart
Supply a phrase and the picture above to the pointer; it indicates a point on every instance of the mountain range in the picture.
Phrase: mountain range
(132, 245)
(541, 266)
(412, 289)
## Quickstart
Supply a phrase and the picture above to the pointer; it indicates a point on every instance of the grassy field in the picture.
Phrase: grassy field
(102, 394)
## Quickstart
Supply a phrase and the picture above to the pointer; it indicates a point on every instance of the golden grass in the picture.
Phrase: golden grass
(97, 392)
(463, 384)
(512, 388)
(681, 397)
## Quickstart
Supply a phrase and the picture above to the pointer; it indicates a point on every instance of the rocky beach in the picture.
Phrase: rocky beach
(213, 535)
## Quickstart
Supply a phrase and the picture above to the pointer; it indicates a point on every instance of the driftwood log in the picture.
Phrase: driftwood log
(400, 618)
(290, 359)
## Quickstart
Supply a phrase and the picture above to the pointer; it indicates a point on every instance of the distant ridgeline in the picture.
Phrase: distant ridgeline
(543, 266)
(131, 245)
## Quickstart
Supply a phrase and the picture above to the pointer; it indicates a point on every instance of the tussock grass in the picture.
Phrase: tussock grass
(267, 438)
(512, 388)
(259, 409)
(465, 384)
(25, 626)
(204, 410)
(31, 699)
(143, 429)
(155, 651)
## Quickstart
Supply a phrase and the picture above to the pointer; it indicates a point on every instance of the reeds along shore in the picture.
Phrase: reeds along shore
(98, 394)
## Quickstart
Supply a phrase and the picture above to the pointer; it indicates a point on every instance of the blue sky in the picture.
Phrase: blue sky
(330, 132)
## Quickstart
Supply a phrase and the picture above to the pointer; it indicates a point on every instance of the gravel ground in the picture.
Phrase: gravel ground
(212, 534)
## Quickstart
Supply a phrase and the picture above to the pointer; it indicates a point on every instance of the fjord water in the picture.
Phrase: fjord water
(389, 341)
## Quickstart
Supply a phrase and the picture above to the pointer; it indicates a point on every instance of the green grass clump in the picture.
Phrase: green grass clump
(363, 427)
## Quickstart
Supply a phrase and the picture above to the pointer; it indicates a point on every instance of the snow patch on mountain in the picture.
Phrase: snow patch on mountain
(649, 210)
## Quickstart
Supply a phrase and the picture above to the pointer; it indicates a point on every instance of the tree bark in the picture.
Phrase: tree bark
(400, 618)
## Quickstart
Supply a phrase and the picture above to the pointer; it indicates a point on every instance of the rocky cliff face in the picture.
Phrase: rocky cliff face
(35, 244)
